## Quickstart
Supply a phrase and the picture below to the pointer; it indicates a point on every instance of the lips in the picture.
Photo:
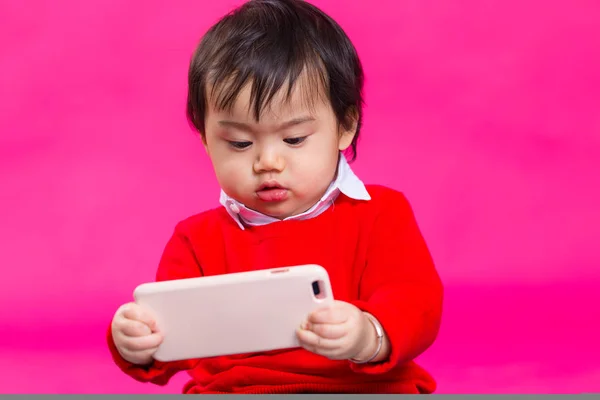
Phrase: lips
(272, 191)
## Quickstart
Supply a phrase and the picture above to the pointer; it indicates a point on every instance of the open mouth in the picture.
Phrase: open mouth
(272, 191)
(270, 185)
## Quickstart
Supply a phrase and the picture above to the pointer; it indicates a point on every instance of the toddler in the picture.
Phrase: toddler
(275, 91)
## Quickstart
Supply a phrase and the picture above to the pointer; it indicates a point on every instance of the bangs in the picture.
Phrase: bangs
(270, 77)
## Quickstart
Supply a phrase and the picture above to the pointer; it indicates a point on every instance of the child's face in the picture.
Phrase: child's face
(293, 150)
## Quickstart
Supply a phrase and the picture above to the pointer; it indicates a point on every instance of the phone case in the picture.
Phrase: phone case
(235, 313)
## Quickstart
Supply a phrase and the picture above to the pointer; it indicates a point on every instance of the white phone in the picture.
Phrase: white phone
(237, 313)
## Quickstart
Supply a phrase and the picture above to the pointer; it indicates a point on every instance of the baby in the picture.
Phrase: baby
(275, 91)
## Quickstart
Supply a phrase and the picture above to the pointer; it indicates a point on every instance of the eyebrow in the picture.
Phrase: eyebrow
(284, 125)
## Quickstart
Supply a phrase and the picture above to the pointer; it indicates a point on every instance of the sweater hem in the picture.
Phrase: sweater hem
(308, 388)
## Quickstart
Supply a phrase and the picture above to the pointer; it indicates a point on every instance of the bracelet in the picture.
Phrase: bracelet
(379, 332)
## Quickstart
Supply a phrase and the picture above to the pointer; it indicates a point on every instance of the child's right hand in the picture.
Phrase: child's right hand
(135, 334)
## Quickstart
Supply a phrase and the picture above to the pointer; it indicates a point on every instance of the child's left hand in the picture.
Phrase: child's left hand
(339, 332)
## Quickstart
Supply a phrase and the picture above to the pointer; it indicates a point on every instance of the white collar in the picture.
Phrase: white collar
(346, 182)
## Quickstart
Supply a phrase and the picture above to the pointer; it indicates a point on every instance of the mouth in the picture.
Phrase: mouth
(270, 185)
(272, 191)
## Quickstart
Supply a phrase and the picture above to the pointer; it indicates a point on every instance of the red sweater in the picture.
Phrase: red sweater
(376, 259)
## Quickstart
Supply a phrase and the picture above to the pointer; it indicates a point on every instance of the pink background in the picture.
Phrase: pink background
(485, 113)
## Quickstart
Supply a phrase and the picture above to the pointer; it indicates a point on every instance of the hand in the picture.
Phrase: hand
(135, 334)
(339, 332)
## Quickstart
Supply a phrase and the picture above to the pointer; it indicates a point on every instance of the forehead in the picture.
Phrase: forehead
(253, 101)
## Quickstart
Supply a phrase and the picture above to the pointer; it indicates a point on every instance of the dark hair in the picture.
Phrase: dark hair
(270, 43)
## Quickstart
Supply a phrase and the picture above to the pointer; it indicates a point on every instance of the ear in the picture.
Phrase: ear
(346, 136)
(203, 137)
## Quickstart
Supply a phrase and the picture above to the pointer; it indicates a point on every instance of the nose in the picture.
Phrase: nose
(269, 160)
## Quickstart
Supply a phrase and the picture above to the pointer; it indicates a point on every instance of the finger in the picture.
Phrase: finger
(136, 312)
(133, 328)
(330, 315)
(146, 355)
(329, 331)
(313, 342)
(142, 343)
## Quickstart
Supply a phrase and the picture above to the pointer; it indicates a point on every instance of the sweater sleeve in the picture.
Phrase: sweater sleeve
(400, 285)
(177, 262)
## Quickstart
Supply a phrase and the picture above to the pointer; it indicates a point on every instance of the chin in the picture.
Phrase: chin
(278, 211)
(278, 215)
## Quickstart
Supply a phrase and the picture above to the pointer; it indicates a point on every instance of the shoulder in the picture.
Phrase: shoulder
(383, 196)
(386, 204)
(203, 223)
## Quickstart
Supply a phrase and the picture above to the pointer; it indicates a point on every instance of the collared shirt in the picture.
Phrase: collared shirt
(346, 182)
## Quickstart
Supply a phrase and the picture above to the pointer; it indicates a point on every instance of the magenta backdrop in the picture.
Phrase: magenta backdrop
(485, 113)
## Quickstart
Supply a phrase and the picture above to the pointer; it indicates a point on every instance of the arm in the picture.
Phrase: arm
(400, 287)
(177, 262)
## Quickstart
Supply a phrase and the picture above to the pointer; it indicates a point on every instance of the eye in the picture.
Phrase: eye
(240, 145)
(295, 141)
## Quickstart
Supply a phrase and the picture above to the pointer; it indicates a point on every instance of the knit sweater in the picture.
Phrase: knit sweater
(377, 260)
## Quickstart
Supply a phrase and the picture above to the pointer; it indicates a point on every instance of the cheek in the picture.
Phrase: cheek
(231, 172)
(317, 166)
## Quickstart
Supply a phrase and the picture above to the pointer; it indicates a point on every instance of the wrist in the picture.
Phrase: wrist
(372, 342)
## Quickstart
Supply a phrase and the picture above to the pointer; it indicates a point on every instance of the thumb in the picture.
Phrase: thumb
(142, 314)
